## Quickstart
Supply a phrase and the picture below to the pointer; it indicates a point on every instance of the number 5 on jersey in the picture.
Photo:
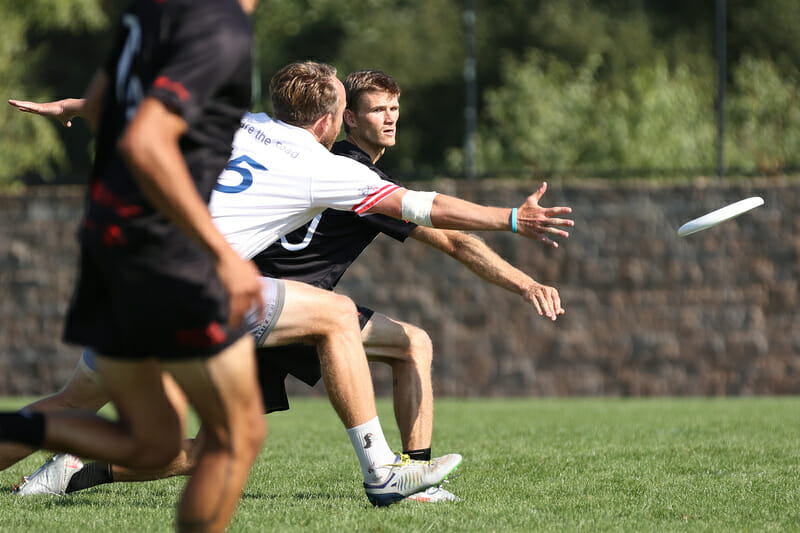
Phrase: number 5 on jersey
(238, 165)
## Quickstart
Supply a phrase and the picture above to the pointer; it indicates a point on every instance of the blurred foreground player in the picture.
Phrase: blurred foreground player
(160, 289)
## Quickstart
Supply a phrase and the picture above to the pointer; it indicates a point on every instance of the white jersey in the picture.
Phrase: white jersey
(278, 178)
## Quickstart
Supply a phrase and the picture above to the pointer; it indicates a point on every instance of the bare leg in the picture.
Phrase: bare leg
(408, 350)
(80, 392)
(225, 394)
(330, 321)
(147, 435)
(183, 464)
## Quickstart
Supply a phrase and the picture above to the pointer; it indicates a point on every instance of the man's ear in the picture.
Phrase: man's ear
(321, 125)
(349, 118)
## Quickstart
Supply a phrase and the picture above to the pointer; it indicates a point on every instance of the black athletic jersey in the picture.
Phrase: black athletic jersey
(320, 252)
(195, 57)
(146, 289)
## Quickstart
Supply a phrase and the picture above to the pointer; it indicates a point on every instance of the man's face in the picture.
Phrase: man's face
(374, 121)
(329, 137)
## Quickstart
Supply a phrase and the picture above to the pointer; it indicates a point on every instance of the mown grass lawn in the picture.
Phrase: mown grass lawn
(529, 465)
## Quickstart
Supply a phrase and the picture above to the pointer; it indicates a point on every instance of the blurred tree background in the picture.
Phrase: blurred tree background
(566, 87)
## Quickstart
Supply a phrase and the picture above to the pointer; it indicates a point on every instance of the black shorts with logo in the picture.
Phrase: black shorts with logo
(145, 288)
(126, 306)
(299, 360)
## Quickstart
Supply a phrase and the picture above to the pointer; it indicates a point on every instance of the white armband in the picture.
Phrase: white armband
(416, 207)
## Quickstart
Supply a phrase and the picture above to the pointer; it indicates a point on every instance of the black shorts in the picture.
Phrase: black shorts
(132, 305)
(299, 360)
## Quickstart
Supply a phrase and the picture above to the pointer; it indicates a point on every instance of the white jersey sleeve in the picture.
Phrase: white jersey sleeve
(278, 178)
(348, 185)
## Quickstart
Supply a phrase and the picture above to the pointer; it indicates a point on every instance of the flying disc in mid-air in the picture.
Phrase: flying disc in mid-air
(720, 215)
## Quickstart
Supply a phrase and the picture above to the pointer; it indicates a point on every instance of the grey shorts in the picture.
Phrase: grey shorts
(273, 292)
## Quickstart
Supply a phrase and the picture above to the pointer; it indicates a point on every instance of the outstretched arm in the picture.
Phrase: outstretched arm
(448, 212)
(65, 110)
(473, 253)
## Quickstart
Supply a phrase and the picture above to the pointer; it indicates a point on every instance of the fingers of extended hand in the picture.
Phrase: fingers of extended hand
(546, 305)
(558, 210)
(545, 216)
(563, 222)
(22, 106)
(31, 107)
(52, 109)
(543, 233)
(557, 302)
(548, 242)
(545, 300)
(553, 302)
(551, 231)
(541, 298)
(536, 304)
(539, 193)
(535, 223)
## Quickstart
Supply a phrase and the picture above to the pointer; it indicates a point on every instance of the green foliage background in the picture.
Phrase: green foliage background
(597, 87)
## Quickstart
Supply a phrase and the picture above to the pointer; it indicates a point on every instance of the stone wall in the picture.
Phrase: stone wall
(648, 312)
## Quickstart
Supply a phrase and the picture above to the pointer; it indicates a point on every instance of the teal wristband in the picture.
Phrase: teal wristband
(514, 220)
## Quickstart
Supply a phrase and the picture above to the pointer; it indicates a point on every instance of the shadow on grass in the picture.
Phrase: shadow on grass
(301, 496)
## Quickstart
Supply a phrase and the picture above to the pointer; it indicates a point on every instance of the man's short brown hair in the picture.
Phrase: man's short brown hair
(302, 92)
(363, 81)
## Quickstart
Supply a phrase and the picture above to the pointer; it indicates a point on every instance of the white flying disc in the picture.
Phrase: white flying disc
(720, 215)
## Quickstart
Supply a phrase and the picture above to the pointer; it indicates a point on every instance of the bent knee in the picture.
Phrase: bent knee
(256, 434)
(241, 441)
(341, 312)
(254, 425)
(420, 347)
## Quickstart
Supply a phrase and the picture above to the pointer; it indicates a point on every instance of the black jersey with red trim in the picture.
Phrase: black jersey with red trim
(320, 252)
(139, 271)
(195, 57)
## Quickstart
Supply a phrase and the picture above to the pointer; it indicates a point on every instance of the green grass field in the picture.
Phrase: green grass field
(532, 464)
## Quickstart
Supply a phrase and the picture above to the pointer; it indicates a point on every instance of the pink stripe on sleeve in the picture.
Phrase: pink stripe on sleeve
(374, 198)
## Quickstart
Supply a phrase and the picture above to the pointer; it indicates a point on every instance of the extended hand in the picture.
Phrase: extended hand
(545, 299)
(541, 223)
(62, 110)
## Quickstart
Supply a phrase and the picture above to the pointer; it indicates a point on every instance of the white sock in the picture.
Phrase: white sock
(371, 448)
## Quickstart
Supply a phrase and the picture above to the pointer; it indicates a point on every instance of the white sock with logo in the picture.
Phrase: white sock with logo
(371, 448)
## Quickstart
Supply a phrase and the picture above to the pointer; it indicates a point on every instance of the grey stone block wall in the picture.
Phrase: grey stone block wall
(648, 312)
(38, 256)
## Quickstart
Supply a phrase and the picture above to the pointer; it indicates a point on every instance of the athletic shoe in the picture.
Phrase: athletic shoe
(436, 494)
(52, 477)
(407, 476)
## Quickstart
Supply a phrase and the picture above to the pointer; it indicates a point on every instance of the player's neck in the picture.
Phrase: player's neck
(374, 152)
